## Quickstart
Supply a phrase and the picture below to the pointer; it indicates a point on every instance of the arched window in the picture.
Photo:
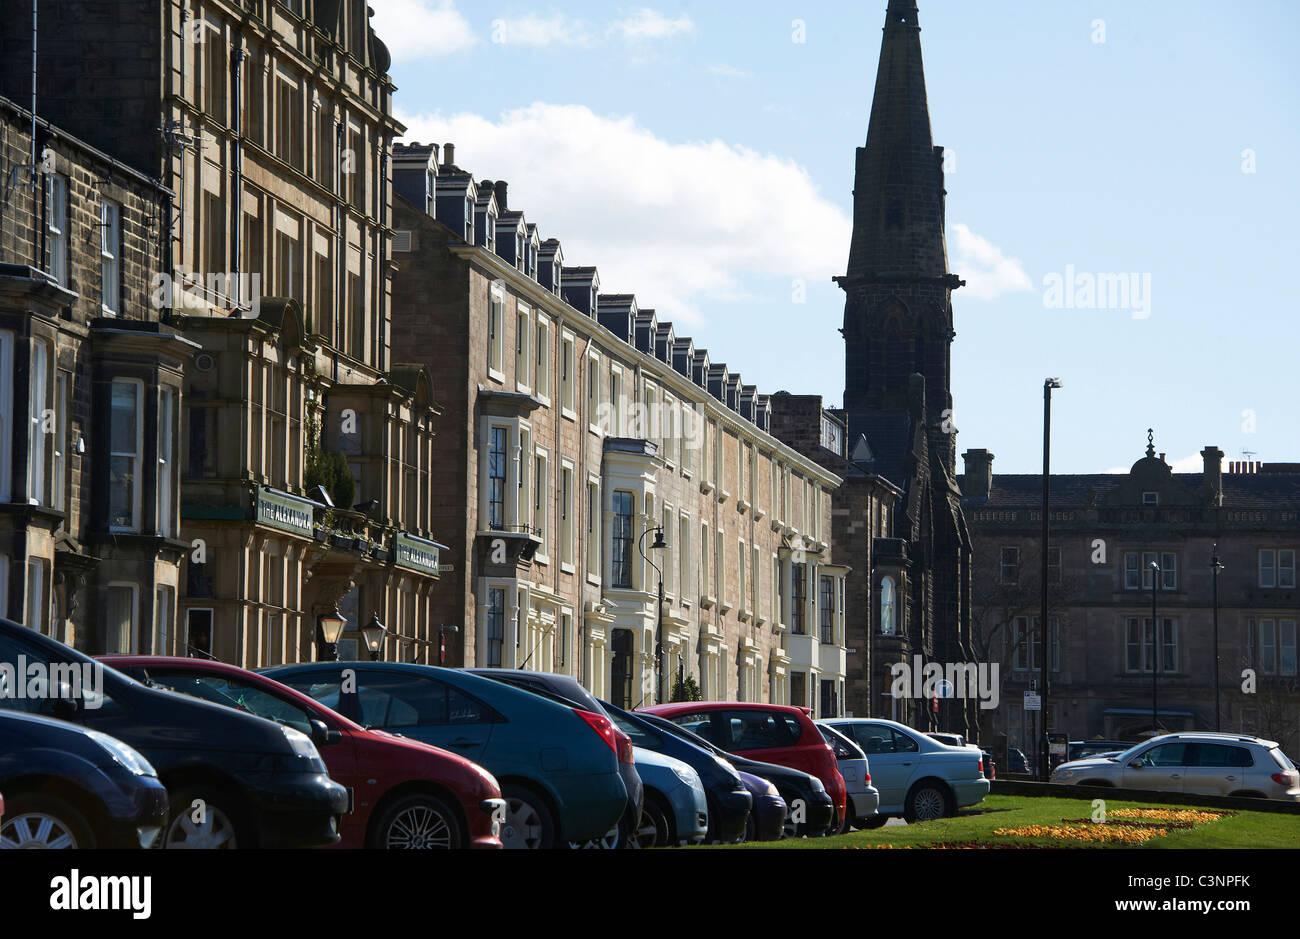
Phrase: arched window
(887, 606)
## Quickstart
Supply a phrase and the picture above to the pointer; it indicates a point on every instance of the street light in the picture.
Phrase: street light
(659, 545)
(1215, 567)
(1155, 649)
(331, 628)
(373, 633)
(442, 651)
(1043, 633)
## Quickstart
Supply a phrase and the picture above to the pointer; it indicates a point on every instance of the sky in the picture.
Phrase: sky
(1121, 175)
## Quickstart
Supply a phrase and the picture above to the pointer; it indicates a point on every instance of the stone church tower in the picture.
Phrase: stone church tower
(898, 332)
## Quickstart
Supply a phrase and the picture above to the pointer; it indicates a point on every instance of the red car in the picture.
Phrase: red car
(401, 793)
(769, 733)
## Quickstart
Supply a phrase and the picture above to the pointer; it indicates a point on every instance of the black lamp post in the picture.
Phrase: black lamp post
(331, 628)
(659, 545)
(1043, 632)
(1155, 649)
(1215, 567)
(373, 633)
(441, 631)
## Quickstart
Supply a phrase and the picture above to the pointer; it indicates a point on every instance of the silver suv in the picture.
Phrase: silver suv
(1196, 763)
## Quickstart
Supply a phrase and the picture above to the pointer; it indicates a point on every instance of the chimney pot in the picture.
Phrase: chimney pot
(501, 188)
(978, 479)
(449, 154)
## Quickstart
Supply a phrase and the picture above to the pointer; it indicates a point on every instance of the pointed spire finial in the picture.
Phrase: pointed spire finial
(1151, 442)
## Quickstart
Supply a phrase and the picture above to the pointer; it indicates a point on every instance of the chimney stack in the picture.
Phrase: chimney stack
(449, 154)
(501, 188)
(978, 480)
(1212, 458)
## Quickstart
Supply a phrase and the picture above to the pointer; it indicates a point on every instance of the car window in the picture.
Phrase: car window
(237, 694)
(1167, 754)
(754, 730)
(85, 680)
(323, 687)
(700, 724)
(904, 743)
(639, 736)
(1281, 759)
(1217, 754)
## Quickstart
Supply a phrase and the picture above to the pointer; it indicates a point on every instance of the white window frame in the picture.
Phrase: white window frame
(137, 456)
(496, 334)
(58, 474)
(165, 476)
(7, 426)
(541, 501)
(595, 523)
(595, 392)
(38, 378)
(110, 269)
(542, 358)
(133, 639)
(568, 375)
(56, 228)
(567, 550)
(523, 347)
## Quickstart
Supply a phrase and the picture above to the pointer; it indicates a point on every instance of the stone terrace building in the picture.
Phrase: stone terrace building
(575, 424)
(1106, 529)
(271, 123)
(90, 386)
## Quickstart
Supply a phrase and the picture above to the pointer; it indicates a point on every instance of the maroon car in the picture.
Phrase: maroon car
(402, 793)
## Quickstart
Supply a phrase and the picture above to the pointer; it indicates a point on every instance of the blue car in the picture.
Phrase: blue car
(558, 766)
(676, 810)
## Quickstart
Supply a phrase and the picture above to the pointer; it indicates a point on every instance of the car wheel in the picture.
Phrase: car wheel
(927, 802)
(204, 819)
(838, 825)
(528, 820)
(655, 831)
(418, 822)
(872, 822)
(751, 827)
(43, 821)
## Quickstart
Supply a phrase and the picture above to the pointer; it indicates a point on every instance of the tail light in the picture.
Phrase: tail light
(868, 779)
(606, 730)
(1284, 779)
(624, 748)
(979, 767)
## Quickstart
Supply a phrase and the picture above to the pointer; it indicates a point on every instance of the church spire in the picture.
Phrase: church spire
(899, 195)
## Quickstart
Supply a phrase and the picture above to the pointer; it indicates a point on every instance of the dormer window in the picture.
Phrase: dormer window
(532, 261)
(555, 277)
(490, 239)
(520, 263)
(592, 306)
(430, 190)
(1150, 498)
(469, 220)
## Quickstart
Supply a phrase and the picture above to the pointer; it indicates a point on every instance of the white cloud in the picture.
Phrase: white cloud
(988, 274)
(414, 29)
(534, 30)
(729, 71)
(679, 224)
(646, 24)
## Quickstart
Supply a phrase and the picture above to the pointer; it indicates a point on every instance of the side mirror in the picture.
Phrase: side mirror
(1136, 764)
(321, 735)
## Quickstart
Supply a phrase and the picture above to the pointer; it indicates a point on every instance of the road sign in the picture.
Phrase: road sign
(1033, 702)
(943, 688)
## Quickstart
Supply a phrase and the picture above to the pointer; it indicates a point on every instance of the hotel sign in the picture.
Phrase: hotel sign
(416, 554)
(283, 511)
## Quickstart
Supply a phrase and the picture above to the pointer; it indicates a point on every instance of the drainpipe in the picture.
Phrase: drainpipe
(237, 171)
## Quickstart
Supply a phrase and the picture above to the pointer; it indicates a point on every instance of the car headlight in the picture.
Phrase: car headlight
(686, 775)
(129, 757)
(773, 791)
(1063, 774)
(300, 743)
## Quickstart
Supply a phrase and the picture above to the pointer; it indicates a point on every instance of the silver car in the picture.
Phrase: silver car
(1197, 763)
(864, 798)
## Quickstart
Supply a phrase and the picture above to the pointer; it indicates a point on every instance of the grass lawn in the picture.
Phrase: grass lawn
(978, 823)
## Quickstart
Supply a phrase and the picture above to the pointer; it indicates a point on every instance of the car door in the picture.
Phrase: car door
(1215, 769)
(757, 734)
(1162, 768)
(893, 757)
(425, 709)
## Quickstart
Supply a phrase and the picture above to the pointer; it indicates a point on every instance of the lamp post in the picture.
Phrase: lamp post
(659, 545)
(1215, 567)
(1155, 649)
(442, 653)
(373, 633)
(1043, 632)
(331, 628)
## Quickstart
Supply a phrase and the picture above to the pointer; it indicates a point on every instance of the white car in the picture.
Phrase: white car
(918, 778)
(864, 798)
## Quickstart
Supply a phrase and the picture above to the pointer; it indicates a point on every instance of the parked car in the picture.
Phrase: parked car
(70, 787)
(952, 740)
(766, 820)
(803, 793)
(404, 794)
(1200, 763)
(570, 691)
(1017, 762)
(676, 809)
(773, 733)
(728, 800)
(919, 778)
(957, 740)
(557, 765)
(233, 780)
(864, 798)
(1084, 749)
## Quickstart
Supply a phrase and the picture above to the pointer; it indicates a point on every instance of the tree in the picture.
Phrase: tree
(686, 689)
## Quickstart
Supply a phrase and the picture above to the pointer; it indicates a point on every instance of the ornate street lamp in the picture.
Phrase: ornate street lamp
(373, 633)
(659, 545)
(1155, 650)
(442, 642)
(331, 628)
(1215, 567)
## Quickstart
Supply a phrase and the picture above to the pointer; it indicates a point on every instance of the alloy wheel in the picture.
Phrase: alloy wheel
(523, 827)
(420, 827)
(214, 830)
(36, 830)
